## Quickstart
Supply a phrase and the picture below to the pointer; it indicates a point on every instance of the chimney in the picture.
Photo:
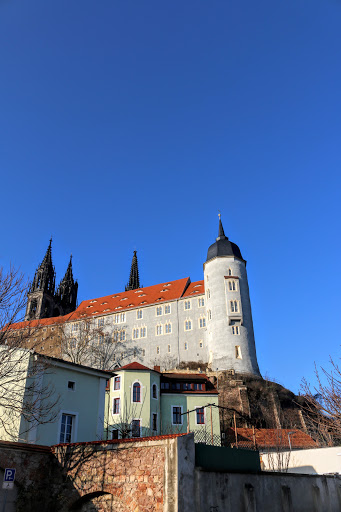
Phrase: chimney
(157, 369)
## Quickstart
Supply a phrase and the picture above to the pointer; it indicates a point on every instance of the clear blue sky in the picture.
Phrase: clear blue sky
(128, 124)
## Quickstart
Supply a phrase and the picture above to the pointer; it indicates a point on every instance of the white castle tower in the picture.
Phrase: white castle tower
(230, 337)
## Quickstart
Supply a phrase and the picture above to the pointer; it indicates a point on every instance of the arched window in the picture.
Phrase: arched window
(154, 391)
(137, 392)
(229, 272)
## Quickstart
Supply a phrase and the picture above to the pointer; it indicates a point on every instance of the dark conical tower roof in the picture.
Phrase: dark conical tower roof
(44, 278)
(68, 278)
(222, 246)
(67, 290)
(134, 280)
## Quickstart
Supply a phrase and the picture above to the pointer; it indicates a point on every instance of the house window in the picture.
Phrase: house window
(159, 311)
(234, 306)
(168, 328)
(122, 317)
(100, 339)
(188, 325)
(238, 352)
(100, 322)
(116, 407)
(154, 421)
(187, 304)
(136, 428)
(143, 332)
(117, 383)
(186, 386)
(154, 391)
(158, 350)
(235, 329)
(114, 433)
(158, 330)
(136, 333)
(200, 416)
(71, 385)
(167, 309)
(139, 314)
(201, 302)
(176, 415)
(186, 346)
(202, 322)
(201, 344)
(169, 349)
(66, 427)
(137, 392)
(197, 387)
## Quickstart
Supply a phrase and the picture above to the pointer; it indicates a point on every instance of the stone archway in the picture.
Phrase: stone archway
(99, 501)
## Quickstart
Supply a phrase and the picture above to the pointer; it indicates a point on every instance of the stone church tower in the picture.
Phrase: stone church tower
(42, 301)
(230, 337)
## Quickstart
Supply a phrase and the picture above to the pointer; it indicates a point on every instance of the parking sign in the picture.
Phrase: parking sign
(9, 477)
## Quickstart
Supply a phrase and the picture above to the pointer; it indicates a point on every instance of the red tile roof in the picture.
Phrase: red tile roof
(197, 288)
(118, 302)
(271, 438)
(135, 366)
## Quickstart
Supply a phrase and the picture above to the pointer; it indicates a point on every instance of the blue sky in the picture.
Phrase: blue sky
(127, 124)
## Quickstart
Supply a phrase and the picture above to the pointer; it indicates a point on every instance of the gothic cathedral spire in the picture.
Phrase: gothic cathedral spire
(45, 276)
(67, 290)
(134, 280)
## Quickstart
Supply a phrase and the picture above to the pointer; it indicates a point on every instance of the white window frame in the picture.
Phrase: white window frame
(238, 352)
(119, 405)
(168, 325)
(201, 302)
(168, 349)
(202, 322)
(190, 325)
(167, 307)
(136, 333)
(136, 381)
(235, 330)
(158, 311)
(139, 314)
(234, 306)
(159, 330)
(187, 305)
(143, 329)
(74, 430)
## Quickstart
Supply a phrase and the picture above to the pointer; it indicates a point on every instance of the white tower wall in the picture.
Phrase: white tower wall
(227, 350)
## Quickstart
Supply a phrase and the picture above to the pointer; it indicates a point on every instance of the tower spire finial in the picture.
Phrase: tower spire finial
(221, 234)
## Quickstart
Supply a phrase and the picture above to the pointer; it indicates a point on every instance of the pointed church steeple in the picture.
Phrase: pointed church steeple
(45, 276)
(221, 234)
(134, 280)
(67, 290)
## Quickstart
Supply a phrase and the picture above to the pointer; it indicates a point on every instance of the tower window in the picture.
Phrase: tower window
(229, 272)
(238, 352)
(234, 307)
(235, 329)
(232, 286)
(136, 392)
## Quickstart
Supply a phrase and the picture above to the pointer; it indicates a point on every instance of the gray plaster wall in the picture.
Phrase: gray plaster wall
(221, 341)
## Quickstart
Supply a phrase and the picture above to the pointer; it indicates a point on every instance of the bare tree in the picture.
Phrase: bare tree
(24, 402)
(321, 404)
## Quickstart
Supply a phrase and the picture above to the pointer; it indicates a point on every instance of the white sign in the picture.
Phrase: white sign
(9, 477)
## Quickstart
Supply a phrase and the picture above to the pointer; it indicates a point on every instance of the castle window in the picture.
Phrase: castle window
(168, 328)
(100, 339)
(187, 304)
(229, 272)
(232, 285)
(100, 322)
(159, 330)
(74, 327)
(158, 310)
(167, 309)
(169, 348)
(234, 307)
(122, 335)
(72, 343)
(208, 294)
(201, 302)
(201, 344)
(186, 345)
(238, 352)
(139, 314)
(202, 322)
(158, 350)
(235, 329)
(136, 333)
(188, 325)
(209, 314)
(143, 332)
